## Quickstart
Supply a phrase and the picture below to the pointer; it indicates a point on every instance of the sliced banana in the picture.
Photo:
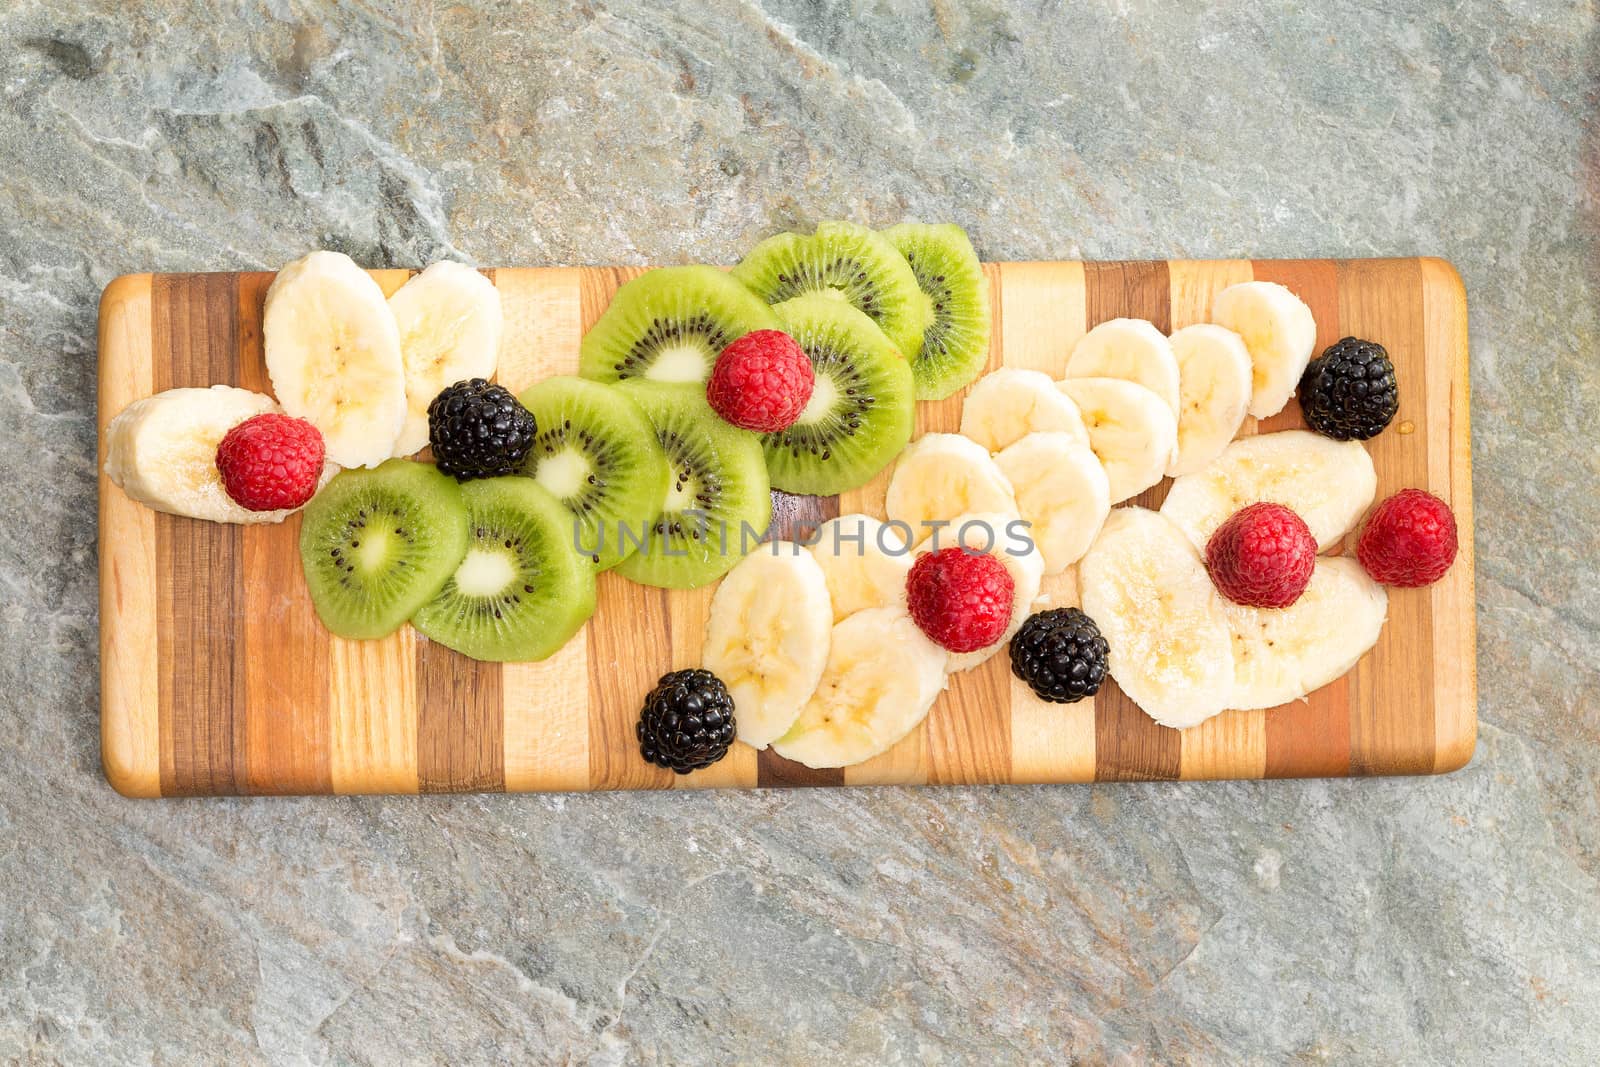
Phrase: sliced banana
(1146, 588)
(450, 324)
(1131, 429)
(767, 638)
(943, 475)
(1062, 492)
(1283, 655)
(1130, 349)
(1213, 393)
(1008, 404)
(333, 354)
(1280, 333)
(1007, 538)
(162, 451)
(882, 676)
(1330, 484)
(865, 562)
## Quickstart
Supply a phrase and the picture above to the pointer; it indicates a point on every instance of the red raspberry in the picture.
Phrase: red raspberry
(271, 462)
(961, 599)
(1410, 540)
(761, 382)
(1262, 556)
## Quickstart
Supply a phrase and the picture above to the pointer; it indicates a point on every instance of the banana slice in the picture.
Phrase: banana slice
(865, 563)
(1130, 349)
(1328, 483)
(1007, 538)
(943, 475)
(882, 676)
(162, 451)
(450, 323)
(1280, 333)
(767, 638)
(1132, 431)
(1008, 404)
(1062, 492)
(1283, 655)
(1213, 393)
(1146, 588)
(333, 354)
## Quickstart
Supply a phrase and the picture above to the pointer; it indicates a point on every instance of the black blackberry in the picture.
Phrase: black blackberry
(479, 430)
(687, 721)
(1350, 392)
(1061, 655)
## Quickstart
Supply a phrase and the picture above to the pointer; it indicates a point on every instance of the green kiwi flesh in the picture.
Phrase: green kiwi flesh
(850, 262)
(520, 592)
(671, 325)
(376, 544)
(861, 409)
(718, 501)
(596, 453)
(955, 346)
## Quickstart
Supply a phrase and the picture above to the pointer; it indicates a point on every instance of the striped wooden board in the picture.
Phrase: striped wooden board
(218, 679)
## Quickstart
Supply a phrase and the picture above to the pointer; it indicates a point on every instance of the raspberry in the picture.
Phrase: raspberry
(761, 382)
(961, 599)
(271, 462)
(1410, 540)
(1262, 556)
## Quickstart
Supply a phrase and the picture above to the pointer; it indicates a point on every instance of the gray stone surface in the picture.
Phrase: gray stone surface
(1451, 920)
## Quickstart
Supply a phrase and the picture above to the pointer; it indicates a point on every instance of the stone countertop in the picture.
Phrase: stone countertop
(1448, 920)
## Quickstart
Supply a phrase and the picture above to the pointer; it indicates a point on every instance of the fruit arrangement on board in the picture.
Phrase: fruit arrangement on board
(432, 496)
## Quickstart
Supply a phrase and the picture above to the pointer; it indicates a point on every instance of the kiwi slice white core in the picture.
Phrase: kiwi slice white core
(484, 573)
(681, 363)
(565, 472)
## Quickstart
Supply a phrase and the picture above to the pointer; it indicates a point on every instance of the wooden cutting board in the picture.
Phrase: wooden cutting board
(216, 677)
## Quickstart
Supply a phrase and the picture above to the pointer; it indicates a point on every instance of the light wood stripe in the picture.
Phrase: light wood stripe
(372, 687)
(130, 735)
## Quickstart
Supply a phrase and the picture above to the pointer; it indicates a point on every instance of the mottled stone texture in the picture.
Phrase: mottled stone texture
(1450, 920)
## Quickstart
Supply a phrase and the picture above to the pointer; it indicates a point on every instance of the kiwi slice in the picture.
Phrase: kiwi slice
(718, 502)
(376, 544)
(861, 408)
(596, 453)
(849, 262)
(955, 346)
(520, 592)
(670, 325)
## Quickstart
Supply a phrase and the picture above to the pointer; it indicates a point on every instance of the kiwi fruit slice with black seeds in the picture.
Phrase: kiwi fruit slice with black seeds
(376, 544)
(520, 592)
(955, 346)
(718, 501)
(846, 261)
(596, 453)
(861, 408)
(670, 325)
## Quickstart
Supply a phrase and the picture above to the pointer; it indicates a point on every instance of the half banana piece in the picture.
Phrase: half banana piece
(1008, 404)
(767, 638)
(943, 475)
(1214, 387)
(1130, 349)
(1280, 333)
(1171, 645)
(162, 451)
(1062, 493)
(1328, 483)
(450, 324)
(333, 354)
(865, 563)
(1131, 430)
(882, 676)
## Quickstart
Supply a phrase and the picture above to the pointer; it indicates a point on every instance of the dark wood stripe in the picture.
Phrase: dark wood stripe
(460, 722)
(1311, 737)
(285, 649)
(968, 739)
(775, 772)
(1391, 710)
(194, 326)
(1129, 745)
(796, 518)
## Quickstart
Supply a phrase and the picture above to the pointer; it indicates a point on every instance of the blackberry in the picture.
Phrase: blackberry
(1061, 655)
(479, 430)
(1350, 392)
(687, 721)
